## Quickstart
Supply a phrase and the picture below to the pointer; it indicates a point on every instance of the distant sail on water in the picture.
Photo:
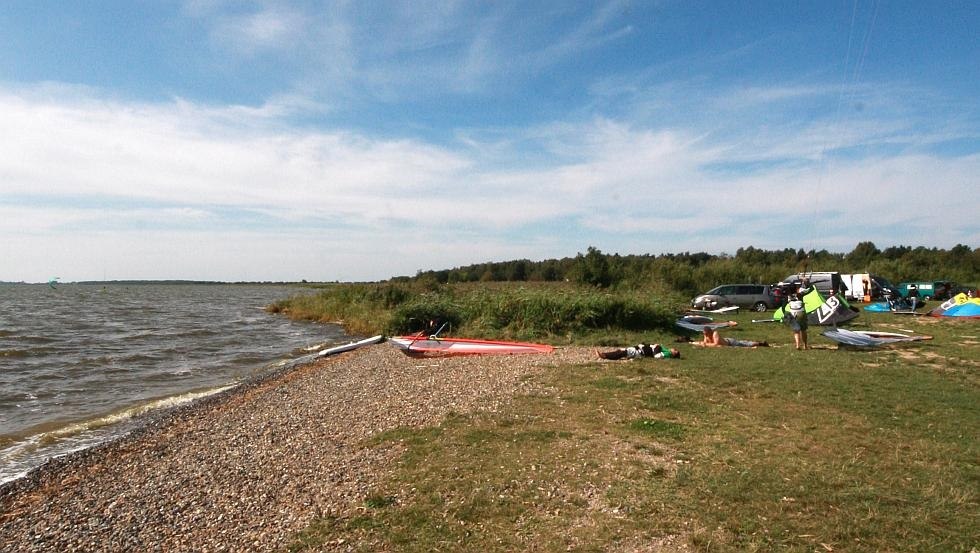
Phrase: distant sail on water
(53, 281)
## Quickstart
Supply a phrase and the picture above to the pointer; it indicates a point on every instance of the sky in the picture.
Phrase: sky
(350, 141)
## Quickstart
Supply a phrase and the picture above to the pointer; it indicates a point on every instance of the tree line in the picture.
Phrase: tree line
(692, 273)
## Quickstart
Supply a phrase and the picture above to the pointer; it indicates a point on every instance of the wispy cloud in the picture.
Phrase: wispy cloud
(245, 28)
(410, 133)
(89, 161)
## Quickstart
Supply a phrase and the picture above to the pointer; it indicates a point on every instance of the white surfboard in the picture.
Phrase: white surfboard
(351, 345)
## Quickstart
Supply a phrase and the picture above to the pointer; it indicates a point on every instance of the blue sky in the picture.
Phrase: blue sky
(235, 140)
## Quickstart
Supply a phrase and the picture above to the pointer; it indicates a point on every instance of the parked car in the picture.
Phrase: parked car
(758, 297)
(929, 290)
(827, 283)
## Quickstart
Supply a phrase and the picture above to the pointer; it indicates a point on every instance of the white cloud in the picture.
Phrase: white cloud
(272, 27)
(99, 183)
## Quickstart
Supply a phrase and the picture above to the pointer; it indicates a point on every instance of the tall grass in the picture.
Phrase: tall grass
(556, 311)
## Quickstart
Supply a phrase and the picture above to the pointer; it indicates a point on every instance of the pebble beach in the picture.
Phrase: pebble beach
(248, 468)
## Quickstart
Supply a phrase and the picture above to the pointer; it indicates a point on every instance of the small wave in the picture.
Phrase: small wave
(249, 360)
(76, 428)
(33, 339)
(314, 347)
(21, 453)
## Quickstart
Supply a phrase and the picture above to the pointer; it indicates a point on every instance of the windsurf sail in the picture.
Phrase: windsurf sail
(831, 311)
(698, 324)
(869, 339)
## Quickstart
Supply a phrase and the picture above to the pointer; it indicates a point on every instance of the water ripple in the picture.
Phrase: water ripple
(83, 352)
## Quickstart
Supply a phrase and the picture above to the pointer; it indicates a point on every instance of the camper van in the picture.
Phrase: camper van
(858, 286)
(929, 290)
(861, 286)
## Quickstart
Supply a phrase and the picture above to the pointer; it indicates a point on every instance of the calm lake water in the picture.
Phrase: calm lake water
(80, 363)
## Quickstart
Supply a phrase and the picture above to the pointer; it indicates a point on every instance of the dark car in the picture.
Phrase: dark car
(758, 297)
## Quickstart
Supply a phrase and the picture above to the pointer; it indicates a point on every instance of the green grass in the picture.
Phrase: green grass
(557, 312)
(727, 449)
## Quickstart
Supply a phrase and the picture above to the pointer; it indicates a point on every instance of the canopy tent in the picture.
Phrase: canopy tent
(959, 305)
(829, 312)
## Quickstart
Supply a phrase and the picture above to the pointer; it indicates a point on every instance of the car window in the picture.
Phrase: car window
(725, 291)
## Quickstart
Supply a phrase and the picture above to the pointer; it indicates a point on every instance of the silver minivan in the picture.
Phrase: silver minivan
(758, 297)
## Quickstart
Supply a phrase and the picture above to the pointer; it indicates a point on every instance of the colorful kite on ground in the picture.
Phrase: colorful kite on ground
(829, 312)
(959, 305)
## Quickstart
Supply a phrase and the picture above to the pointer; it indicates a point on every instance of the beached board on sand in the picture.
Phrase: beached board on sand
(433, 346)
(351, 345)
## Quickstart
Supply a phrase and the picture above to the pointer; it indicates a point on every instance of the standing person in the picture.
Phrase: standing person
(913, 295)
(656, 351)
(794, 315)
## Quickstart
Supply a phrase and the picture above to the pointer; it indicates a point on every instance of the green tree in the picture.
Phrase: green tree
(862, 254)
(593, 268)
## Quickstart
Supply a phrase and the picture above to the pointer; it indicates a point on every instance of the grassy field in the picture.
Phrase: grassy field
(724, 450)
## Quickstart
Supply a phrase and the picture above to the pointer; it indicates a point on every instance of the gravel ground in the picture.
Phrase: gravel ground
(245, 470)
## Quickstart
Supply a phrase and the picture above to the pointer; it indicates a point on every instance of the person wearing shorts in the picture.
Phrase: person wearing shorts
(712, 339)
(656, 351)
(795, 317)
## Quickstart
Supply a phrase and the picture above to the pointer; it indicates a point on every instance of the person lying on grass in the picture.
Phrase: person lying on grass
(713, 339)
(656, 351)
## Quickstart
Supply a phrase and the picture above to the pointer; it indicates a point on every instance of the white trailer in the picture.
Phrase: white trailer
(858, 286)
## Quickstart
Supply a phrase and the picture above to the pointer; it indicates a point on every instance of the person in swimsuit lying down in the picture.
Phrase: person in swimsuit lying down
(713, 339)
(656, 351)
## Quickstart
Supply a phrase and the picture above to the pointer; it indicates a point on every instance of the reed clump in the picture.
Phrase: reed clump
(531, 311)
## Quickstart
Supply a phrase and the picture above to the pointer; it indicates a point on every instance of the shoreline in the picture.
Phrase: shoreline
(146, 421)
(161, 416)
(248, 467)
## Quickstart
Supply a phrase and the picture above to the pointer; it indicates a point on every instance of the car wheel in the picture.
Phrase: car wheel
(760, 307)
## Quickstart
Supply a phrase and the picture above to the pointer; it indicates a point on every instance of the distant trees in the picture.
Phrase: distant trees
(691, 273)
